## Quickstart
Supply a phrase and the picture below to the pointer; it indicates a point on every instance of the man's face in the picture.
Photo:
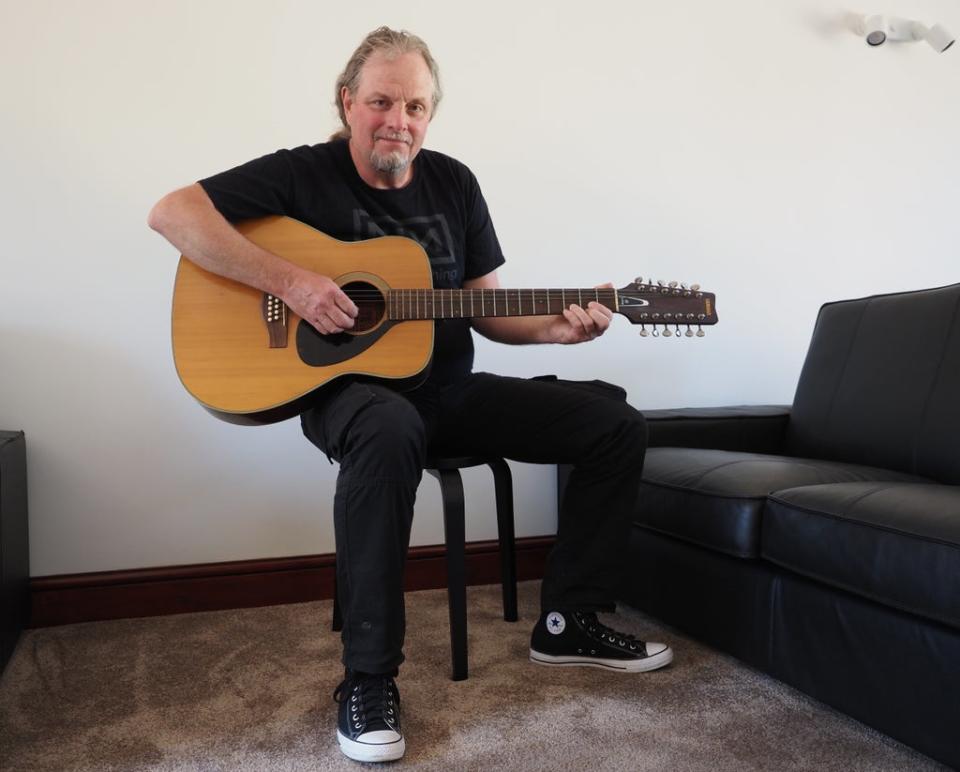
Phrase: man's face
(388, 117)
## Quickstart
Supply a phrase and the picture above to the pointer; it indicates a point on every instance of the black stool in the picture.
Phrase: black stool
(447, 471)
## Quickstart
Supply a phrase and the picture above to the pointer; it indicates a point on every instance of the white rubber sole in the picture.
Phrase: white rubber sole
(374, 751)
(653, 662)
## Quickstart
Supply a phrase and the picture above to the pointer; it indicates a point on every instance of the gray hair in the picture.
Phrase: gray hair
(393, 43)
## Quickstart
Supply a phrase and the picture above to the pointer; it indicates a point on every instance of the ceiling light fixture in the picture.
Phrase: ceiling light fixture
(877, 29)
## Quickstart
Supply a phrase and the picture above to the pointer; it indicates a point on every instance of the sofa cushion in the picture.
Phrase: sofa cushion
(715, 497)
(896, 543)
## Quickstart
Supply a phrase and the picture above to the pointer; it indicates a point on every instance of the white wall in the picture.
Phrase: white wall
(757, 148)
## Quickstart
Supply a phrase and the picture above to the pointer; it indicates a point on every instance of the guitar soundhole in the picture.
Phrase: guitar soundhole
(369, 302)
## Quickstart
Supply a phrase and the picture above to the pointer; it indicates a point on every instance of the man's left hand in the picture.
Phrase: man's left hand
(578, 325)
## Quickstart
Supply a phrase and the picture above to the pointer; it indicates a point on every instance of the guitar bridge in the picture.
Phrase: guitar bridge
(274, 312)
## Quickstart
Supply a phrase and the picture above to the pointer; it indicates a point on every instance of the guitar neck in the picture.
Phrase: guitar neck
(406, 304)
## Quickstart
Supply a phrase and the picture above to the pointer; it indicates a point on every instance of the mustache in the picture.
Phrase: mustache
(397, 136)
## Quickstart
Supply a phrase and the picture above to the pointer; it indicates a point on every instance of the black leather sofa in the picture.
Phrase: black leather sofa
(820, 542)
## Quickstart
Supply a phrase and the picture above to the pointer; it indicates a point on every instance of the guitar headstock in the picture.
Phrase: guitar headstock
(669, 305)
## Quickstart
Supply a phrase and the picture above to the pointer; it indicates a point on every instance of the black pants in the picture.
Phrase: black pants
(381, 437)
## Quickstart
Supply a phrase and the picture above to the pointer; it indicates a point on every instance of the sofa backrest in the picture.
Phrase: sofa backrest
(881, 384)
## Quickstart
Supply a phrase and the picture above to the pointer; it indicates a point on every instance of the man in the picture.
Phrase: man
(376, 179)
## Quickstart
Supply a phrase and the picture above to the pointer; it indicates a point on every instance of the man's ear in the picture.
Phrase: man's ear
(346, 98)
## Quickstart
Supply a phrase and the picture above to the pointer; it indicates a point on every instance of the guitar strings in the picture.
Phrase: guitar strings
(504, 292)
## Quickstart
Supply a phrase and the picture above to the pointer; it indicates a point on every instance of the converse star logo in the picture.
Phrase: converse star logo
(556, 623)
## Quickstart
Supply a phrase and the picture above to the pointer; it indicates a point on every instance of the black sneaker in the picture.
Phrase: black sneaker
(578, 638)
(368, 726)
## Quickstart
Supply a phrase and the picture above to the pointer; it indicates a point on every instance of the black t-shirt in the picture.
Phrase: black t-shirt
(441, 208)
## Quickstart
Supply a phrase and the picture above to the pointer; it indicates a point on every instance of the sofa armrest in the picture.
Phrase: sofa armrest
(748, 428)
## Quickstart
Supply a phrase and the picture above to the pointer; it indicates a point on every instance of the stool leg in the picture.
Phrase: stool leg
(454, 528)
(337, 624)
(503, 484)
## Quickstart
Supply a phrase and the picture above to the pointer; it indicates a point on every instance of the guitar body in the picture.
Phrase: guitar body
(245, 369)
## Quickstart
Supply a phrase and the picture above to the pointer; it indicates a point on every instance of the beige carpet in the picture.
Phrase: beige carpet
(251, 690)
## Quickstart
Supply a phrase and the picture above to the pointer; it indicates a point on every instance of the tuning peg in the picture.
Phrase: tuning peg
(694, 287)
(656, 332)
(667, 332)
(700, 332)
(638, 280)
(643, 331)
(660, 282)
(672, 284)
(688, 333)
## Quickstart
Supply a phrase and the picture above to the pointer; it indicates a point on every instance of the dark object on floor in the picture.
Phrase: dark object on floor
(14, 546)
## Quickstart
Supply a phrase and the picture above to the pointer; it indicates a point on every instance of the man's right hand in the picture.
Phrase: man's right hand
(319, 301)
(188, 219)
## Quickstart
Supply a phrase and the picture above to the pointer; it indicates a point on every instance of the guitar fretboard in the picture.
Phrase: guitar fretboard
(405, 304)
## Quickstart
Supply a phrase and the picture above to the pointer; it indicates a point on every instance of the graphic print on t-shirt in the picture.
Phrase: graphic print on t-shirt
(430, 231)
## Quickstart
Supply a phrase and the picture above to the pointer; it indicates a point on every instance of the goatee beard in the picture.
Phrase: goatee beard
(395, 163)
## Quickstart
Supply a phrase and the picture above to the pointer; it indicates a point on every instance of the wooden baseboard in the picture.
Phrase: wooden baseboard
(70, 598)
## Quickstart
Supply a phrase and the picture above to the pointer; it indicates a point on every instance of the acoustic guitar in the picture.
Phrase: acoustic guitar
(248, 359)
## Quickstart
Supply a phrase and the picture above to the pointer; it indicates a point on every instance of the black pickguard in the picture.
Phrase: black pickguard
(317, 350)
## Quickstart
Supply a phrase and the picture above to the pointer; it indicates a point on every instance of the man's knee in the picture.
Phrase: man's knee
(367, 421)
(635, 426)
(388, 433)
(388, 424)
(626, 430)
